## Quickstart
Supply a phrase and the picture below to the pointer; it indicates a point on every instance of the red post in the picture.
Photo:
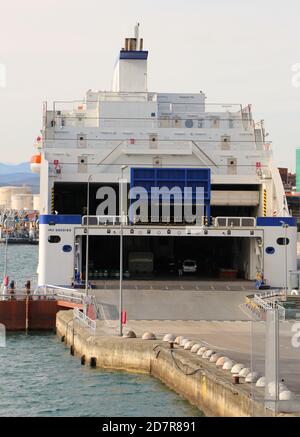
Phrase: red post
(123, 317)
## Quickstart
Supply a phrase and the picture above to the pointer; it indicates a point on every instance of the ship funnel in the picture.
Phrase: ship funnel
(130, 74)
(136, 43)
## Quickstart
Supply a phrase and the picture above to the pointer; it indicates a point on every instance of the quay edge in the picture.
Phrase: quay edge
(199, 382)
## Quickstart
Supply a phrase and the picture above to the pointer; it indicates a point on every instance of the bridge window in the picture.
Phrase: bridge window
(54, 239)
(283, 241)
(215, 122)
(200, 123)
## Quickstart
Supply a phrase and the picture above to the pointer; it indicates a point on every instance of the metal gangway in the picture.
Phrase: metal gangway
(262, 302)
(56, 292)
(73, 296)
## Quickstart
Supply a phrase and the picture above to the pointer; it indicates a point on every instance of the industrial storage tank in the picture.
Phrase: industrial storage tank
(5, 197)
(6, 194)
(36, 202)
(21, 201)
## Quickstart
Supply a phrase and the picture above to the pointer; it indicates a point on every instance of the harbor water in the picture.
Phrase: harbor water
(39, 377)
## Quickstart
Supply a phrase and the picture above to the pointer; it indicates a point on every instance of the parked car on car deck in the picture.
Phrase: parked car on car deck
(189, 266)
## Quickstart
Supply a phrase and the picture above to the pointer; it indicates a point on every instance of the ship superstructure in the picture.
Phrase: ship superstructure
(147, 139)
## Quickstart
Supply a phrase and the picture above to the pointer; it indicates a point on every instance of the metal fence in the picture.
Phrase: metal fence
(85, 320)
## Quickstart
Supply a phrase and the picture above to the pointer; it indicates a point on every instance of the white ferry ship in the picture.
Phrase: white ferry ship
(131, 137)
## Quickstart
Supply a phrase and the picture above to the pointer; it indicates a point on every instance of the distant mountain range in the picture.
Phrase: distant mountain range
(19, 174)
(24, 167)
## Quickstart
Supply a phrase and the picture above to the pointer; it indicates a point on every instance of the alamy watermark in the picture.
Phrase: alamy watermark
(295, 340)
(156, 205)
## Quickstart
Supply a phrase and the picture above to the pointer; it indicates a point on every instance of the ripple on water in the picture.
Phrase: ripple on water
(39, 377)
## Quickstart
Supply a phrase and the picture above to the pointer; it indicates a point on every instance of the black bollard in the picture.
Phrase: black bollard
(93, 361)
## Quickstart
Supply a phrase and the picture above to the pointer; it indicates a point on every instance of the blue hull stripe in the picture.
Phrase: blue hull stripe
(276, 221)
(52, 219)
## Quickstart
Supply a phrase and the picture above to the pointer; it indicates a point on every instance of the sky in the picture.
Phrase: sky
(234, 51)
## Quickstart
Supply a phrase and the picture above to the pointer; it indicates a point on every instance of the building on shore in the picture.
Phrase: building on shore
(288, 179)
(36, 202)
(14, 197)
(291, 184)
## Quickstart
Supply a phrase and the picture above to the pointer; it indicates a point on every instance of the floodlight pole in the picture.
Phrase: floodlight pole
(121, 218)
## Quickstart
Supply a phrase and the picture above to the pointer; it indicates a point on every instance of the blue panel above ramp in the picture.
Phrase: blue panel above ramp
(174, 177)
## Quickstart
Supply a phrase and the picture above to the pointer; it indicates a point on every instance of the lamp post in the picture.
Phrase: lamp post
(5, 252)
(121, 215)
(285, 227)
(87, 236)
(7, 222)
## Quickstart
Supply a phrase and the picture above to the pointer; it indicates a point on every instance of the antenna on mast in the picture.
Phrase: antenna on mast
(136, 31)
(138, 41)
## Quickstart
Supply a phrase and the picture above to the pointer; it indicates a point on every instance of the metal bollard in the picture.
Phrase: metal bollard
(235, 379)
(93, 362)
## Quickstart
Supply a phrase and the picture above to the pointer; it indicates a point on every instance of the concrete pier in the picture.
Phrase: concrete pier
(197, 380)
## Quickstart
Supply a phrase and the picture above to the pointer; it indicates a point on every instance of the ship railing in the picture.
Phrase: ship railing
(21, 295)
(264, 303)
(84, 319)
(236, 222)
(103, 220)
(96, 307)
(67, 120)
(272, 293)
(261, 303)
(213, 109)
(178, 145)
(281, 311)
(56, 291)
